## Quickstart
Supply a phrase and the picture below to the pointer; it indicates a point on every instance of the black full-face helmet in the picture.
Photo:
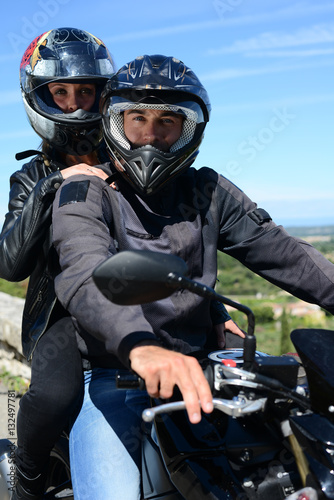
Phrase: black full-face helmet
(68, 55)
(154, 82)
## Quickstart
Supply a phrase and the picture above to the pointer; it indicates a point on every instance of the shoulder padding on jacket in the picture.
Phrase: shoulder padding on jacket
(74, 192)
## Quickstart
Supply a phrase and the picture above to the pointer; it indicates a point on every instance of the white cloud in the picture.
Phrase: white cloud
(273, 40)
(228, 74)
(233, 19)
(291, 53)
(292, 102)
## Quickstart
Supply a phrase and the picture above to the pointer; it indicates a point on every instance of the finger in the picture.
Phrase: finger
(204, 393)
(166, 387)
(191, 399)
(195, 391)
(152, 386)
(232, 327)
(99, 173)
(82, 168)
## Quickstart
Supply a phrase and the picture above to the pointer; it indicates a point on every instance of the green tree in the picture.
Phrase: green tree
(286, 344)
(263, 314)
(16, 289)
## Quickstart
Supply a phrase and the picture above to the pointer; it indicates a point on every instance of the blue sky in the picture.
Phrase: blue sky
(267, 66)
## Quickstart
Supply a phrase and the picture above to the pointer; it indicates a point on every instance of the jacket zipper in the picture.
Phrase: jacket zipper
(38, 299)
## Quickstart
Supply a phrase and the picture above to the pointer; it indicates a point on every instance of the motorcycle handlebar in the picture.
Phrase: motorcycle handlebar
(130, 380)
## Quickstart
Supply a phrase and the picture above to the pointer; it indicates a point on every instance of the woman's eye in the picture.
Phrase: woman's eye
(61, 92)
(87, 91)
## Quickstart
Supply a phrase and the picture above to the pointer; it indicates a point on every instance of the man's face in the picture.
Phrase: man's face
(158, 128)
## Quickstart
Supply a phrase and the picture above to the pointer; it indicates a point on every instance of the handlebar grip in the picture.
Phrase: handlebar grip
(129, 380)
(249, 352)
(209, 375)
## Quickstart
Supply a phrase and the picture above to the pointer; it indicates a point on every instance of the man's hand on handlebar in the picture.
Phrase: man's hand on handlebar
(163, 369)
(222, 328)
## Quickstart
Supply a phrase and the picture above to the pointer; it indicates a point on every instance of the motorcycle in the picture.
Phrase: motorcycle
(271, 434)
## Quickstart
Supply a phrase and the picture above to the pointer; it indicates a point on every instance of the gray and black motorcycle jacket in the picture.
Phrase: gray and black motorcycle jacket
(191, 217)
(26, 245)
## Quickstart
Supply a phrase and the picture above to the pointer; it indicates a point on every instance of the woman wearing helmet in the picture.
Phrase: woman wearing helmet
(72, 56)
(62, 74)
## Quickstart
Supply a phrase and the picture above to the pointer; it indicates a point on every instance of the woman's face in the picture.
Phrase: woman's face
(72, 96)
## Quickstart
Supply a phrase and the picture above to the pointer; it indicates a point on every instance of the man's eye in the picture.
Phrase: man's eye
(169, 121)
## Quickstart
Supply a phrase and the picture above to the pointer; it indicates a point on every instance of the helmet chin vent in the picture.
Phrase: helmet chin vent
(155, 165)
(138, 165)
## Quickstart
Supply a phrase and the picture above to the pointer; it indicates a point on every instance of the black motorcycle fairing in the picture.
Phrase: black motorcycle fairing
(214, 456)
(316, 350)
(316, 436)
(247, 436)
(208, 478)
(155, 479)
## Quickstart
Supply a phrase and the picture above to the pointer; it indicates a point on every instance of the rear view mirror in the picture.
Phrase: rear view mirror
(138, 277)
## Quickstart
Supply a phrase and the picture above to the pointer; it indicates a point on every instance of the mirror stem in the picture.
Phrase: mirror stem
(176, 281)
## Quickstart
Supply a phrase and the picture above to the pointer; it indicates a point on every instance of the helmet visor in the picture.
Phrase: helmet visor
(74, 62)
(190, 110)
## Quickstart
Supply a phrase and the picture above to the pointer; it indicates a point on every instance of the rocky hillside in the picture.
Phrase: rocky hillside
(11, 358)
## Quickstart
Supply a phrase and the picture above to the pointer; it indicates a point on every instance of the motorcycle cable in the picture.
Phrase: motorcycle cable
(265, 382)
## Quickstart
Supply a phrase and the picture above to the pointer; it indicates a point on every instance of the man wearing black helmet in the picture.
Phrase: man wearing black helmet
(154, 114)
(62, 73)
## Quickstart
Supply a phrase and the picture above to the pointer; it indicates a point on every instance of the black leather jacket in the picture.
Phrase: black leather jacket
(26, 245)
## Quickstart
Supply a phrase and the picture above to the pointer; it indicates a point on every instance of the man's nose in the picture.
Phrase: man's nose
(152, 133)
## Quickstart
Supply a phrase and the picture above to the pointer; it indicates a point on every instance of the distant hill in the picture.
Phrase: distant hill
(236, 279)
(305, 231)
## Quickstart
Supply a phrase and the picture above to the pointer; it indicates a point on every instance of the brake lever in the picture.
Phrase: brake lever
(234, 408)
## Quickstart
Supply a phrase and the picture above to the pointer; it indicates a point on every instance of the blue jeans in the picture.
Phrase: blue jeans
(105, 440)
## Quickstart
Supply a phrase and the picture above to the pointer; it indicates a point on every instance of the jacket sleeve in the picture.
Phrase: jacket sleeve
(28, 219)
(218, 313)
(82, 238)
(248, 234)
